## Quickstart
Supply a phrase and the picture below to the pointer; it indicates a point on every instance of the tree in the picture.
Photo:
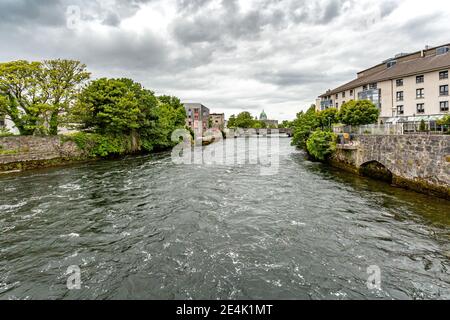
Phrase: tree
(115, 106)
(232, 122)
(170, 115)
(359, 112)
(321, 144)
(444, 121)
(61, 82)
(304, 125)
(244, 120)
(328, 117)
(25, 102)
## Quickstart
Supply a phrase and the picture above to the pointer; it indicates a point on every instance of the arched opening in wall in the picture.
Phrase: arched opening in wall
(376, 170)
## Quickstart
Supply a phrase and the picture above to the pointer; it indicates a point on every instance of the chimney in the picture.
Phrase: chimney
(422, 53)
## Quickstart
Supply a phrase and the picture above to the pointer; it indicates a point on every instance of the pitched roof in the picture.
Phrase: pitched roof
(401, 69)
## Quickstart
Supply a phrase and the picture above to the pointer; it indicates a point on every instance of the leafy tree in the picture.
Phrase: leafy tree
(115, 106)
(61, 82)
(25, 100)
(328, 117)
(285, 124)
(304, 125)
(170, 115)
(359, 112)
(321, 144)
(232, 121)
(244, 120)
(444, 121)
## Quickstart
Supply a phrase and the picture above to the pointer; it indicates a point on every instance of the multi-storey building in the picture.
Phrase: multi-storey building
(197, 117)
(408, 87)
(217, 120)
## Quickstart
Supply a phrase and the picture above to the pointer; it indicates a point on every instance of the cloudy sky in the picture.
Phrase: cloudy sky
(230, 55)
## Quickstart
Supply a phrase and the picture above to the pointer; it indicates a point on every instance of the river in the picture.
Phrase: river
(146, 228)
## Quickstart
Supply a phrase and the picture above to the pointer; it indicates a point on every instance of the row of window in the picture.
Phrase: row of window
(421, 79)
(420, 108)
(420, 93)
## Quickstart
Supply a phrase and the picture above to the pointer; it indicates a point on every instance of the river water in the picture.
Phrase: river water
(146, 228)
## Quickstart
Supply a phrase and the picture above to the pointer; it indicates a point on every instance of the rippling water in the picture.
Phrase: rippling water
(145, 228)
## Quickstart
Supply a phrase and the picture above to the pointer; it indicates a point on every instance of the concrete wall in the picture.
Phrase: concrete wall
(418, 162)
(25, 152)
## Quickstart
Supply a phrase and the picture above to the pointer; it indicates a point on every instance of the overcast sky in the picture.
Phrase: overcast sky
(230, 55)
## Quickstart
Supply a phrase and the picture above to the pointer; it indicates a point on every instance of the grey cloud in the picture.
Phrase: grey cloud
(28, 12)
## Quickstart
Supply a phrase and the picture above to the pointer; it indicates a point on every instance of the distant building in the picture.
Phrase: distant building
(406, 88)
(7, 124)
(270, 123)
(217, 120)
(197, 117)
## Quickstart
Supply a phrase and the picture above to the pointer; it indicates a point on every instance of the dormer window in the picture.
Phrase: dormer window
(442, 50)
(391, 63)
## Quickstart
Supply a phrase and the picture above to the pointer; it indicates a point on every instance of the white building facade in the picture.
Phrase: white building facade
(407, 88)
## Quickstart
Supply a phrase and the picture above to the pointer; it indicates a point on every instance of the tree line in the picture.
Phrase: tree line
(245, 120)
(110, 115)
(313, 130)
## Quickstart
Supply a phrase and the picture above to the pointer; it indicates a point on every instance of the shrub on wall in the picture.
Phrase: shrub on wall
(321, 144)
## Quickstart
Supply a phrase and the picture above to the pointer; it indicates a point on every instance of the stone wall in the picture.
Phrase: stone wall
(418, 162)
(27, 152)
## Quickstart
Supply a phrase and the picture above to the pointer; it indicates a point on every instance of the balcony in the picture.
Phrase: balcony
(325, 104)
(372, 95)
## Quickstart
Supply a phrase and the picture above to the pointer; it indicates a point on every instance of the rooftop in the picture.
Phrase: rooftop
(405, 65)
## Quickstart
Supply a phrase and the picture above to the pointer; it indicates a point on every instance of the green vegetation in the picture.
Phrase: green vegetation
(111, 116)
(361, 112)
(321, 144)
(445, 121)
(313, 129)
(245, 120)
(37, 95)
(120, 116)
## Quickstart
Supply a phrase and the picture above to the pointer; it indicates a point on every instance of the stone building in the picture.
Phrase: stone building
(407, 88)
(270, 123)
(197, 117)
(217, 120)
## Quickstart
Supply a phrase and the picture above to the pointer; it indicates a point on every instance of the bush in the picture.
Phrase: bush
(96, 145)
(321, 144)
(359, 112)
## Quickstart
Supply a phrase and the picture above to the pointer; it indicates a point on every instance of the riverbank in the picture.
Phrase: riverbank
(417, 162)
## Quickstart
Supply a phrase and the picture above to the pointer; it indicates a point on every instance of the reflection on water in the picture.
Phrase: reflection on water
(142, 227)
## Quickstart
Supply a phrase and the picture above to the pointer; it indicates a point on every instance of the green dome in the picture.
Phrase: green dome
(263, 116)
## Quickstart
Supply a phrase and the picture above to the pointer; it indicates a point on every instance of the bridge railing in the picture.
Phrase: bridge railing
(394, 129)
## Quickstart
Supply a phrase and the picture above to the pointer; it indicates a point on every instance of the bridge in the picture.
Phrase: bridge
(417, 162)
(247, 132)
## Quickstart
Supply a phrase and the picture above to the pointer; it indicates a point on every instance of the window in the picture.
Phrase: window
(343, 94)
(365, 88)
(337, 105)
(373, 86)
(337, 96)
(400, 110)
(351, 93)
(391, 63)
(399, 83)
(400, 96)
(442, 50)
(443, 75)
(443, 90)
(443, 106)
(420, 93)
(420, 108)
(420, 79)
(343, 102)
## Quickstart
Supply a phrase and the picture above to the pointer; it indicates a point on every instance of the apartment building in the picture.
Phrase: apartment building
(197, 117)
(407, 88)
